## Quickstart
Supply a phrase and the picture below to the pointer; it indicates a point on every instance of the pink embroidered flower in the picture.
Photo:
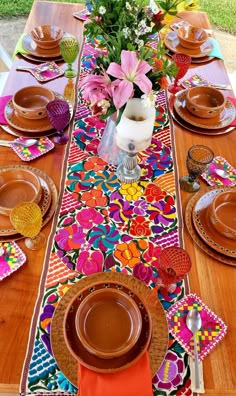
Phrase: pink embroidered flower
(90, 262)
(88, 217)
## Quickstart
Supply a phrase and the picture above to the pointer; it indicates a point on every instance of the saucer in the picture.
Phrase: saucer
(225, 118)
(159, 339)
(203, 226)
(194, 234)
(171, 41)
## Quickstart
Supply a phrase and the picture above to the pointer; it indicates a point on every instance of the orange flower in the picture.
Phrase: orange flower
(158, 64)
(163, 82)
(140, 227)
(94, 163)
(94, 198)
(127, 253)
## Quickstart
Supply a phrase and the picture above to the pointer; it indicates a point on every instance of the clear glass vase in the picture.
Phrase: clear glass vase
(107, 148)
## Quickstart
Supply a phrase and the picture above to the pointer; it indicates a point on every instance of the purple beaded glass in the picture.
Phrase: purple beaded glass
(58, 112)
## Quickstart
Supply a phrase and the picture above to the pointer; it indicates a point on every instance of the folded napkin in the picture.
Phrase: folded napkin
(216, 52)
(134, 381)
(233, 100)
(3, 101)
(19, 48)
(215, 180)
(197, 80)
(212, 331)
(42, 146)
(11, 258)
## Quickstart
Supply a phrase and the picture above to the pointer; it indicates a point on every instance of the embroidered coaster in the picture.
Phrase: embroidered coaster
(11, 258)
(46, 71)
(213, 179)
(42, 146)
(212, 331)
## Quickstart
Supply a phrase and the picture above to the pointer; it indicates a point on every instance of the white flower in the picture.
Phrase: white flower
(102, 10)
(128, 6)
(154, 8)
(149, 100)
(126, 32)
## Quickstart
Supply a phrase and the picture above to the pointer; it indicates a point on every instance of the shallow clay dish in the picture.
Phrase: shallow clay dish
(225, 118)
(108, 311)
(151, 307)
(30, 102)
(18, 186)
(172, 42)
(205, 102)
(203, 226)
(222, 214)
(47, 36)
(191, 36)
(194, 234)
(32, 48)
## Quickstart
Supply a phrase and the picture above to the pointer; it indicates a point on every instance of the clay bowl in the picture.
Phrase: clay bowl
(108, 323)
(18, 185)
(205, 102)
(30, 102)
(191, 37)
(222, 213)
(47, 36)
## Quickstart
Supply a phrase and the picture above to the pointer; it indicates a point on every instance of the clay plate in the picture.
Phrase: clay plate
(40, 59)
(196, 237)
(194, 129)
(159, 337)
(205, 229)
(204, 59)
(225, 118)
(107, 310)
(32, 48)
(171, 41)
(47, 204)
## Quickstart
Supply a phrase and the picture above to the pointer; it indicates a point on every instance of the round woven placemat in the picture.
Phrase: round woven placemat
(159, 340)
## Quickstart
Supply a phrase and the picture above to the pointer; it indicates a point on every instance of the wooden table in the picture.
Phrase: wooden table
(213, 281)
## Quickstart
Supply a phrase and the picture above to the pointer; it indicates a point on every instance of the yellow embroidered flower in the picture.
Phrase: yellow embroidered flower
(131, 191)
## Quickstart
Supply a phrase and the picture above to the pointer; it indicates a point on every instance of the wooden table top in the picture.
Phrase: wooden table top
(210, 279)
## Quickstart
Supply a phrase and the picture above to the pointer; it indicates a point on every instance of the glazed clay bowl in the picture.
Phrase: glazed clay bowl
(30, 102)
(191, 37)
(47, 36)
(18, 186)
(222, 213)
(108, 323)
(205, 102)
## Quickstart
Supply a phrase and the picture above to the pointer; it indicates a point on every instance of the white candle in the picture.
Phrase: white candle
(134, 131)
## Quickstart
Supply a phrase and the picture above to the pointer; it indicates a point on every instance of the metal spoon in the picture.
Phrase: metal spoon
(25, 143)
(194, 323)
(222, 173)
(41, 69)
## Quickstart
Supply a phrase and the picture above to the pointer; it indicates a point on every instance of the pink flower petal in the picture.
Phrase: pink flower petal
(122, 93)
(115, 70)
(144, 84)
(129, 62)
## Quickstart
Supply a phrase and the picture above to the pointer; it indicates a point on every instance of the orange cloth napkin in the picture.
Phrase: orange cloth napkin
(133, 381)
(233, 100)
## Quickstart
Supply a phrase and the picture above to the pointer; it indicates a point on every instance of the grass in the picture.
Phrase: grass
(221, 13)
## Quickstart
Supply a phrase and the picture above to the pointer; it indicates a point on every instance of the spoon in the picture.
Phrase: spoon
(25, 143)
(41, 69)
(222, 173)
(194, 323)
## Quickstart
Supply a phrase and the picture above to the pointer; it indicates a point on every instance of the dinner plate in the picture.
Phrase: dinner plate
(159, 339)
(225, 118)
(40, 59)
(47, 203)
(32, 48)
(171, 41)
(205, 229)
(203, 59)
(92, 361)
(194, 234)
(195, 129)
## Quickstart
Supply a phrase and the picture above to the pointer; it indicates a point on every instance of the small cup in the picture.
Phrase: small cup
(205, 102)
(191, 37)
(222, 213)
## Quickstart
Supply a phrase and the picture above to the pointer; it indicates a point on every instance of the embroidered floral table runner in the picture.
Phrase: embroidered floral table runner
(106, 226)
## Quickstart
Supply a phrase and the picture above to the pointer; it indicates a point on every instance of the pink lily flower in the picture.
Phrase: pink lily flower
(132, 70)
(96, 87)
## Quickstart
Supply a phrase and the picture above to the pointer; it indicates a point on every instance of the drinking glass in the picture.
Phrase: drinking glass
(69, 47)
(58, 112)
(174, 264)
(183, 62)
(198, 158)
(27, 219)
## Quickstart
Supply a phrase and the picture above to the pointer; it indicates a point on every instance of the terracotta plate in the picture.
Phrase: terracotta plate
(205, 229)
(32, 48)
(90, 360)
(159, 338)
(196, 237)
(171, 41)
(204, 59)
(47, 203)
(195, 129)
(40, 59)
(225, 118)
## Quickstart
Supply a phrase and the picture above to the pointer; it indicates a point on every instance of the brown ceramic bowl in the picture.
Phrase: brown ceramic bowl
(18, 185)
(205, 102)
(222, 213)
(30, 102)
(47, 36)
(108, 323)
(191, 37)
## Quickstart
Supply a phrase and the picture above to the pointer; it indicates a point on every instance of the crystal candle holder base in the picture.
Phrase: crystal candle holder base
(129, 171)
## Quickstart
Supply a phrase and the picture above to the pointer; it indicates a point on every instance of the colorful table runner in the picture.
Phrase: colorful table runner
(106, 226)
